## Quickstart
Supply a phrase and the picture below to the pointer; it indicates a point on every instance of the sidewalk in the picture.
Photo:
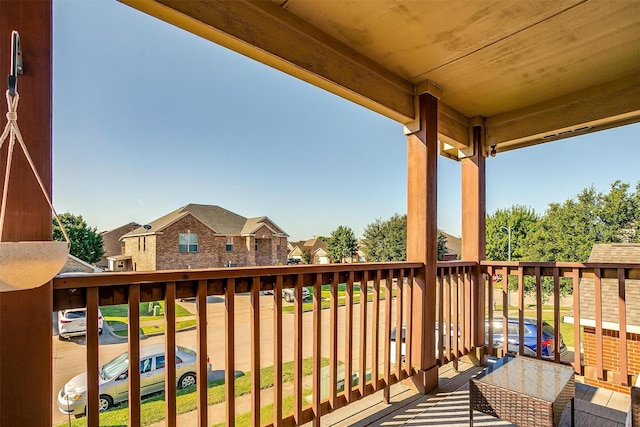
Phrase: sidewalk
(217, 412)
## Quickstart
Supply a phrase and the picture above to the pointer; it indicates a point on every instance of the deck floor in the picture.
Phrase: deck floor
(448, 406)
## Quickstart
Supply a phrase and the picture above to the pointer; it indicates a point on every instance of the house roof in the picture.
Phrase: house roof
(454, 244)
(219, 220)
(111, 238)
(626, 253)
(530, 71)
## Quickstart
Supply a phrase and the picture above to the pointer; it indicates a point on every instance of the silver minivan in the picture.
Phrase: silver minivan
(113, 379)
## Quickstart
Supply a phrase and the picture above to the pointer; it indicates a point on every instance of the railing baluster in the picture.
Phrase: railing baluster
(505, 310)
(255, 351)
(490, 311)
(446, 332)
(201, 347)
(317, 347)
(387, 334)
(375, 330)
(409, 321)
(170, 354)
(466, 313)
(577, 361)
(556, 314)
(277, 352)
(400, 288)
(538, 313)
(92, 357)
(134, 355)
(598, 291)
(333, 341)
(622, 313)
(520, 310)
(229, 365)
(297, 355)
(348, 348)
(440, 330)
(363, 332)
(456, 318)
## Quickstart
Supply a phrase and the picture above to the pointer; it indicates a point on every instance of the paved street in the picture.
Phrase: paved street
(69, 355)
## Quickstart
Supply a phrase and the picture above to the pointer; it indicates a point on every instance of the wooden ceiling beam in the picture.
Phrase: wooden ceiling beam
(269, 34)
(613, 104)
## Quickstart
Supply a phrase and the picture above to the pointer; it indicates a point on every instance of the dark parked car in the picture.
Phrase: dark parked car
(530, 337)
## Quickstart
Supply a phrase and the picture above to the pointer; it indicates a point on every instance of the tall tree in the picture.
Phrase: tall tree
(387, 240)
(86, 242)
(618, 214)
(342, 244)
(509, 226)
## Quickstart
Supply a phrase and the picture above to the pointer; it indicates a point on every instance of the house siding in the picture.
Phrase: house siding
(142, 250)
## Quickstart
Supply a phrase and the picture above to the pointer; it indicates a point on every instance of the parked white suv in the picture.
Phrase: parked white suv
(73, 322)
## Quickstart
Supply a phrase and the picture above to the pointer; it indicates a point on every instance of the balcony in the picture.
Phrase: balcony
(342, 338)
(466, 81)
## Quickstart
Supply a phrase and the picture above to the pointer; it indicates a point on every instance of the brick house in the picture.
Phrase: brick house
(625, 253)
(204, 236)
(112, 248)
(317, 247)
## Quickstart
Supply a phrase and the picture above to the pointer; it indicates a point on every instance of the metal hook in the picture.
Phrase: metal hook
(16, 63)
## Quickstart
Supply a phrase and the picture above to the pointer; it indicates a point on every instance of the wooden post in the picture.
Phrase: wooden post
(26, 384)
(473, 232)
(422, 230)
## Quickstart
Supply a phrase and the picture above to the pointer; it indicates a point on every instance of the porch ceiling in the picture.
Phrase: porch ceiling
(536, 71)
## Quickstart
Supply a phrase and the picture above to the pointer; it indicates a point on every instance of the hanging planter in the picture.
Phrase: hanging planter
(25, 265)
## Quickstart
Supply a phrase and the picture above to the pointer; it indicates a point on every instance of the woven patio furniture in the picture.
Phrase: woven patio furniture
(524, 391)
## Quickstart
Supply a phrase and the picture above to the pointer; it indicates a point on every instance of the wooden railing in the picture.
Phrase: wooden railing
(589, 356)
(360, 354)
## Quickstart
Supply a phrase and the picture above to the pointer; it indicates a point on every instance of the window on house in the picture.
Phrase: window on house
(120, 265)
(256, 245)
(122, 246)
(144, 243)
(138, 243)
(187, 242)
(229, 245)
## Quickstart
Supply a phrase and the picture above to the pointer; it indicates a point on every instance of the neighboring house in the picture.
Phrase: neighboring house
(625, 253)
(454, 247)
(113, 247)
(204, 236)
(76, 265)
(317, 247)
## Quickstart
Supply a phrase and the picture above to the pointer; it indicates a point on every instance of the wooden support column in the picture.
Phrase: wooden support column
(473, 232)
(26, 385)
(422, 241)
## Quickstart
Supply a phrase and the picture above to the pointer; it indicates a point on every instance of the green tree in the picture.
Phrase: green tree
(619, 214)
(568, 231)
(519, 221)
(387, 240)
(342, 244)
(306, 256)
(442, 245)
(86, 242)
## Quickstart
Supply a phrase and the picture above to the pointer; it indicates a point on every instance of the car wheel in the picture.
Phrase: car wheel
(100, 331)
(187, 380)
(104, 402)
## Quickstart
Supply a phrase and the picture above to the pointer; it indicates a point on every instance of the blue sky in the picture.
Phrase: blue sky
(148, 118)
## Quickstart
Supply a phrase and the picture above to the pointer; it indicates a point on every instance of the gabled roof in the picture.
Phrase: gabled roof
(219, 220)
(254, 224)
(111, 238)
(626, 253)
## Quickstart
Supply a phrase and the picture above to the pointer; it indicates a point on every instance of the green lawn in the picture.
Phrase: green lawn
(118, 317)
(326, 294)
(153, 409)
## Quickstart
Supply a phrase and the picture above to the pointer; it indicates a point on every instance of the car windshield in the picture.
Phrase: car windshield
(114, 367)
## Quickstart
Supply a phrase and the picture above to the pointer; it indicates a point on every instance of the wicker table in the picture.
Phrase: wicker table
(524, 391)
